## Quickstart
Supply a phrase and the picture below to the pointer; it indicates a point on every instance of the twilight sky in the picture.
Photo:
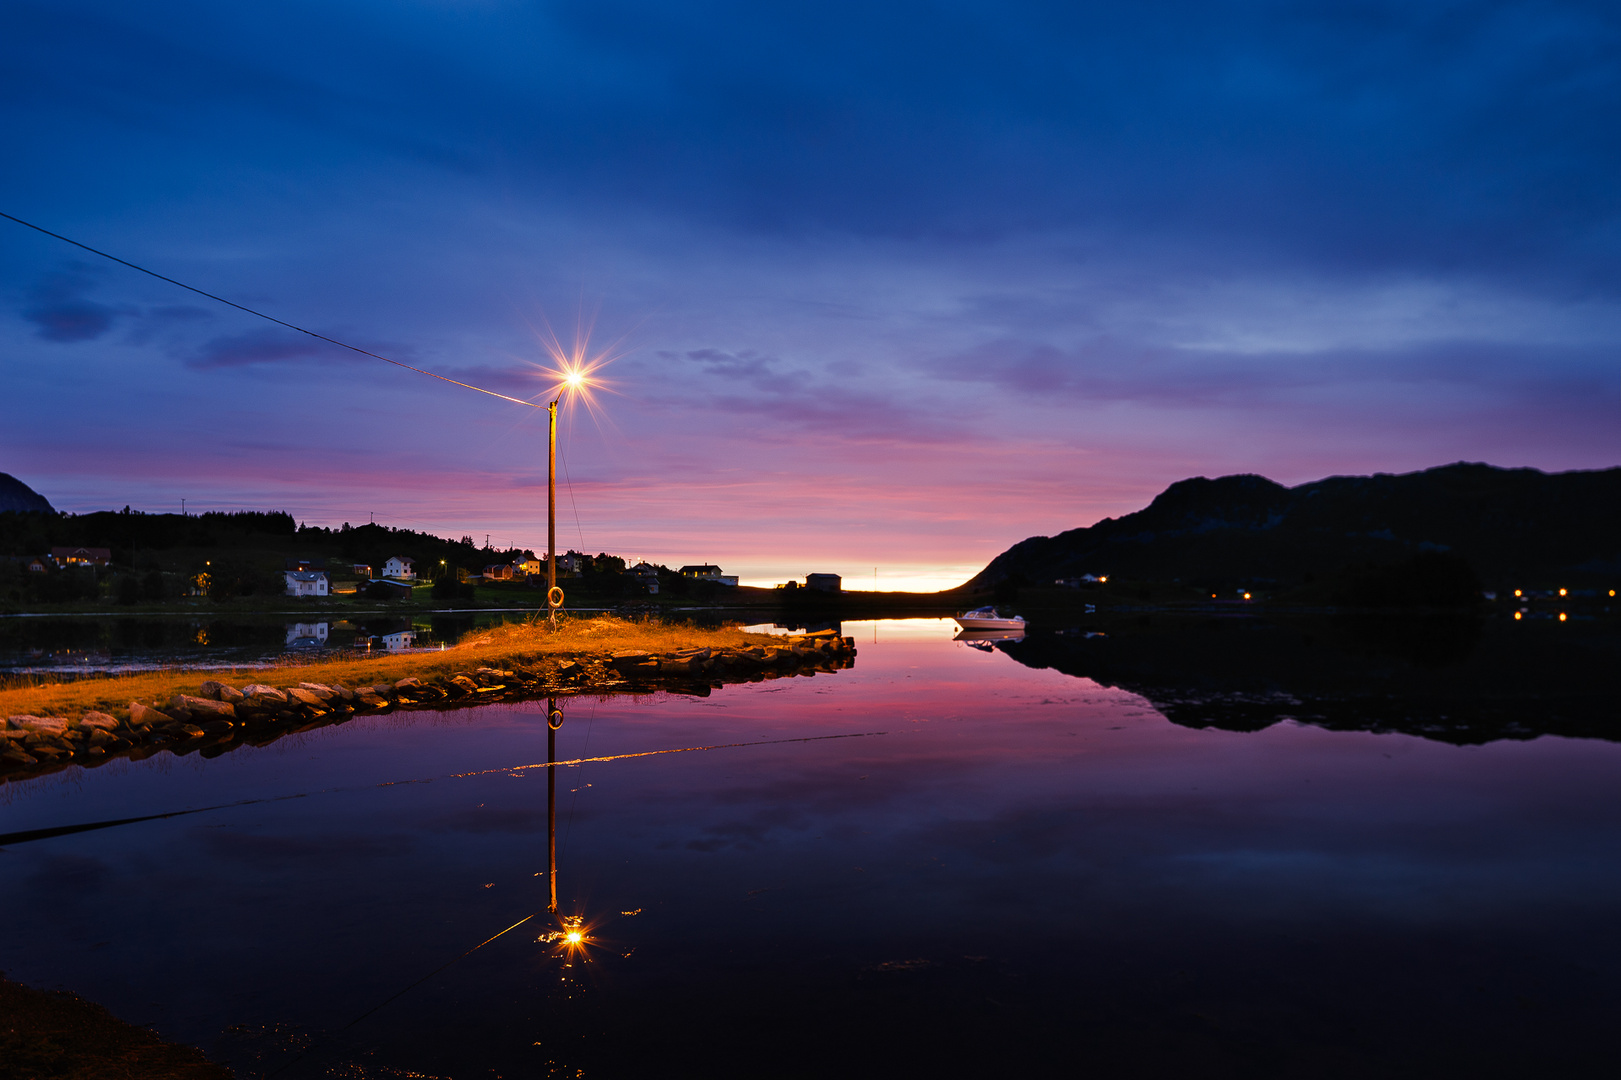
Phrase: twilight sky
(889, 285)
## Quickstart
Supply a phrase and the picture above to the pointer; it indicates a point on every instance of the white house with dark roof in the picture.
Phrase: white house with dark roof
(307, 583)
(400, 568)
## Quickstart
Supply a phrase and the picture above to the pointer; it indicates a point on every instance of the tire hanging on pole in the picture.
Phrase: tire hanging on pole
(554, 596)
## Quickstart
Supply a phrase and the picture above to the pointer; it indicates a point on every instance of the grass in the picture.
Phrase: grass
(520, 642)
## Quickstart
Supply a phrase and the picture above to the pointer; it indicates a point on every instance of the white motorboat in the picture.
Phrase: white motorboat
(986, 618)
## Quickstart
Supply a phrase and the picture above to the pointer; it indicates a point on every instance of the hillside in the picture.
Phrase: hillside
(1510, 526)
(18, 497)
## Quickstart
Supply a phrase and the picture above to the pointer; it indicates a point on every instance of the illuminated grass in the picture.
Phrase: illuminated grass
(509, 643)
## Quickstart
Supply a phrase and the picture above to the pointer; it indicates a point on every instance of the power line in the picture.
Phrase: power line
(262, 315)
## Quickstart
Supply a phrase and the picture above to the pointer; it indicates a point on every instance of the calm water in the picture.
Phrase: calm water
(940, 862)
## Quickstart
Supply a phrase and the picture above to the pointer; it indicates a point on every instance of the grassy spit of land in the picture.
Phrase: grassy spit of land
(54, 725)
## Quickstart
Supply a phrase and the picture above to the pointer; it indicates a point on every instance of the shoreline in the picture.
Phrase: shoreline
(54, 726)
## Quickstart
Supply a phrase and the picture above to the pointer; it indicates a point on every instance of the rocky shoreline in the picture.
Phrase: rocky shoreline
(220, 717)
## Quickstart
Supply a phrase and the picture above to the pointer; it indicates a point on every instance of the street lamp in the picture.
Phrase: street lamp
(572, 379)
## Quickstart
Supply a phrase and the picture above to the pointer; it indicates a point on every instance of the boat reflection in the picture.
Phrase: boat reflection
(985, 640)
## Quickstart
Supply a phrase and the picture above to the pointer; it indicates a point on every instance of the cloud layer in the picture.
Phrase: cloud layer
(899, 283)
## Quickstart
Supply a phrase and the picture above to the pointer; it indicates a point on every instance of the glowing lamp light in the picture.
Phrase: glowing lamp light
(1562, 592)
(1518, 616)
(573, 937)
(1561, 616)
(1246, 596)
(1517, 592)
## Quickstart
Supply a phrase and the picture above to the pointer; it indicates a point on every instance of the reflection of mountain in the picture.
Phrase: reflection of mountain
(1454, 680)
(1507, 523)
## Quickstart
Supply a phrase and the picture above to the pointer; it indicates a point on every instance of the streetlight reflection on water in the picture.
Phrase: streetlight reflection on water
(572, 935)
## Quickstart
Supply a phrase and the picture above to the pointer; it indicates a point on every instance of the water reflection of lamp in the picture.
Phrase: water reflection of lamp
(554, 720)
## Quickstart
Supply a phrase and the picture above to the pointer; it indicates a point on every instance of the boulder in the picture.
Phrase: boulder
(325, 693)
(99, 720)
(629, 658)
(266, 694)
(410, 683)
(304, 697)
(462, 686)
(204, 708)
(218, 691)
(368, 700)
(142, 715)
(50, 725)
(343, 691)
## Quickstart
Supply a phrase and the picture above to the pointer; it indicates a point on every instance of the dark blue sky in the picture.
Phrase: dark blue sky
(892, 284)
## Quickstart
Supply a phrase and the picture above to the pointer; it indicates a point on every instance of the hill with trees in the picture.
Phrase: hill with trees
(1432, 537)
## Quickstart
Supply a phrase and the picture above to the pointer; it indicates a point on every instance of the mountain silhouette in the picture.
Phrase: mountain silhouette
(18, 496)
(1499, 526)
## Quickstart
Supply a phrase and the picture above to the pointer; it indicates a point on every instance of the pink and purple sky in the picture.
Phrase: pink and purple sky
(890, 285)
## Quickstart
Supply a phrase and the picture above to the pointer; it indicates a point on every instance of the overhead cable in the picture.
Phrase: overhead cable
(268, 318)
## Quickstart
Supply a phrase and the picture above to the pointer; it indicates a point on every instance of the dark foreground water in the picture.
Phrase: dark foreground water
(942, 862)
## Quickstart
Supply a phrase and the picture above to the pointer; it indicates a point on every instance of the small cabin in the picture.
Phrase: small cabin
(828, 583)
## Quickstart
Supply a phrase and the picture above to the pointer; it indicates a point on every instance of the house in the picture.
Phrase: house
(708, 572)
(362, 570)
(530, 567)
(824, 582)
(400, 568)
(400, 640)
(306, 582)
(383, 589)
(647, 575)
(37, 564)
(573, 562)
(81, 556)
(498, 573)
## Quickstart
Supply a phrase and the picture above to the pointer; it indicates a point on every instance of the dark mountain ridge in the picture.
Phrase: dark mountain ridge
(1512, 526)
(18, 496)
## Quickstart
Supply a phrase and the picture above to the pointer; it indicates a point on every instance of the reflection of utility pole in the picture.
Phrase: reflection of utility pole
(554, 720)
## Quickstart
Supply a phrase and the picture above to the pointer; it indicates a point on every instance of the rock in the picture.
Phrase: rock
(49, 724)
(99, 720)
(325, 693)
(98, 738)
(383, 689)
(568, 669)
(267, 694)
(410, 683)
(218, 691)
(304, 697)
(142, 715)
(17, 755)
(629, 658)
(343, 691)
(463, 685)
(368, 700)
(203, 708)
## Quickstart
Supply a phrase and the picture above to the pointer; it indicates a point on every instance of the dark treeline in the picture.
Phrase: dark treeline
(158, 557)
